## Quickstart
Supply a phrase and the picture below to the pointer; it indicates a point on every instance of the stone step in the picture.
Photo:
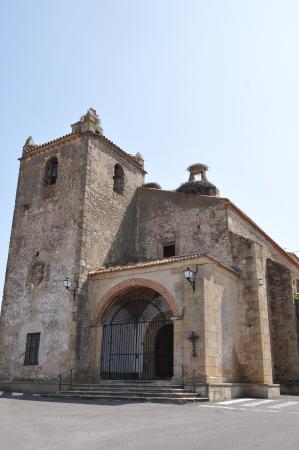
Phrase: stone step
(163, 382)
(130, 394)
(129, 385)
(133, 398)
(129, 388)
(135, 391)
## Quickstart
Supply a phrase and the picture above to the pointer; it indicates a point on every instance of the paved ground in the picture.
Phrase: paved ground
(28, 422)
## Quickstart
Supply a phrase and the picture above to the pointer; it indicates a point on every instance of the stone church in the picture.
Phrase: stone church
(113, 279)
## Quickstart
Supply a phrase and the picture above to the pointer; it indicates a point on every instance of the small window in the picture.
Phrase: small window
(51, 171)
(32, 347)
(297, 286)
(169, 250)
(118, 178)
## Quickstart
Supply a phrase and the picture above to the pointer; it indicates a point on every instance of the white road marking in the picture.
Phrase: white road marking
(277, 408)
(238, 400)
(17, 394)
(283, 405)
(239, 408)
(260, 402)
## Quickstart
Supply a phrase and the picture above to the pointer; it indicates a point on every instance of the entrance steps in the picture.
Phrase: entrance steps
(131, 391)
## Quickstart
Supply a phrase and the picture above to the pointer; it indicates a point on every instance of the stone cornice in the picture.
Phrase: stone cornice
(35, 150)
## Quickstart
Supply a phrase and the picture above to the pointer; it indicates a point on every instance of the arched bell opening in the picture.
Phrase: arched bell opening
(137, 341)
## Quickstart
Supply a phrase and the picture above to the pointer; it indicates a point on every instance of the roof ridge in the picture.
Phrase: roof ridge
(123, 153)
(156, 262)
(38, 146)
(237, 210)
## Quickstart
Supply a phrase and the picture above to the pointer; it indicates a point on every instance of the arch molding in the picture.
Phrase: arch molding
(114, 293)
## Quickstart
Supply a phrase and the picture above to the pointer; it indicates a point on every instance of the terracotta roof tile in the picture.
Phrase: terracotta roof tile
(33, 150)
(244, 216)
(157, 262)
(122, 153)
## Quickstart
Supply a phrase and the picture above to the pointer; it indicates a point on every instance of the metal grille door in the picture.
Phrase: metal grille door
(137, 350)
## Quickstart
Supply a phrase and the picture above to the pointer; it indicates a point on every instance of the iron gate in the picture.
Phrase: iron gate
(137, 350)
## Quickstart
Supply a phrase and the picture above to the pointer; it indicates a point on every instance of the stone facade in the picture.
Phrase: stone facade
(83, 212)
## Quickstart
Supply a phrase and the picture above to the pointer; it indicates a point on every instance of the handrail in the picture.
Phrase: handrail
(70, 380)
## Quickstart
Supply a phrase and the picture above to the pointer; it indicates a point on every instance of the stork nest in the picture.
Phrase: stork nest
(152, 186)
(198, 187)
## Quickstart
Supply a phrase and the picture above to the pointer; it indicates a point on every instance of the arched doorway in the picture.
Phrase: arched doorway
(137, 341)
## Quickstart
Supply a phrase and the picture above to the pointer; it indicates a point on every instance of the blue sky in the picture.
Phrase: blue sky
(212, 81)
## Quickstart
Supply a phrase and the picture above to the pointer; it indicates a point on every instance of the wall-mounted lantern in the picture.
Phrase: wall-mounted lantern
(190, 276)
(67, 284)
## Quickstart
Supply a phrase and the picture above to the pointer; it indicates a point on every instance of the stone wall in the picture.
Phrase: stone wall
(197, 224)
(210, 311)
(255, 355)
(81, 223)
(223, 328)
(109, 227)
(273, 283)
(283, 321)
(43, 250)
(110, 218)
(64, 229)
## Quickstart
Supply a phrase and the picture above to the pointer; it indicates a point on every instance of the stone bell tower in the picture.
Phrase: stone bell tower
(75, 196)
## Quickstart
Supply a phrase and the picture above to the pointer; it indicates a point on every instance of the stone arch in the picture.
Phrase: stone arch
(118, 179)
(51, 171)
(114, 293)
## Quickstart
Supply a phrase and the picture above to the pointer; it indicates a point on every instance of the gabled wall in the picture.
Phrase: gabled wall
(197, 224)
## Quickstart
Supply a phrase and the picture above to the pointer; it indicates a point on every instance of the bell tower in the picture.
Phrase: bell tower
(74, 199)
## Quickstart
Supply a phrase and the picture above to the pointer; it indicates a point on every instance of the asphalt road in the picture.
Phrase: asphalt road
(28, 422)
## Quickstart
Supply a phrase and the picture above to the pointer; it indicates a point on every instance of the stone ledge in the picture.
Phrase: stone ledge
(228, 391)
(289, 387)
(30, 387)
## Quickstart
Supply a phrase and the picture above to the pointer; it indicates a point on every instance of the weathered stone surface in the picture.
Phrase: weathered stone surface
(241, 304)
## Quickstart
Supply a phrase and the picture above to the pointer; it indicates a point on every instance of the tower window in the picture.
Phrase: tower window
(32, 347)
(51, 171)
(169, 250)
(118, 178)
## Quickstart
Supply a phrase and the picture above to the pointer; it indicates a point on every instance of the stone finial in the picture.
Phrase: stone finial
(29, 141)
(139, 159)
(89, 122)
(29, 144)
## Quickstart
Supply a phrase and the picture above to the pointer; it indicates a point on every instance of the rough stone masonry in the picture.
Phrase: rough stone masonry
(94, 248)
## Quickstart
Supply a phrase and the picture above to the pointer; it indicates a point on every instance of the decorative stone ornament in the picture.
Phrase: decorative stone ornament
(139, 159)
(29, 145)
(89, 122)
